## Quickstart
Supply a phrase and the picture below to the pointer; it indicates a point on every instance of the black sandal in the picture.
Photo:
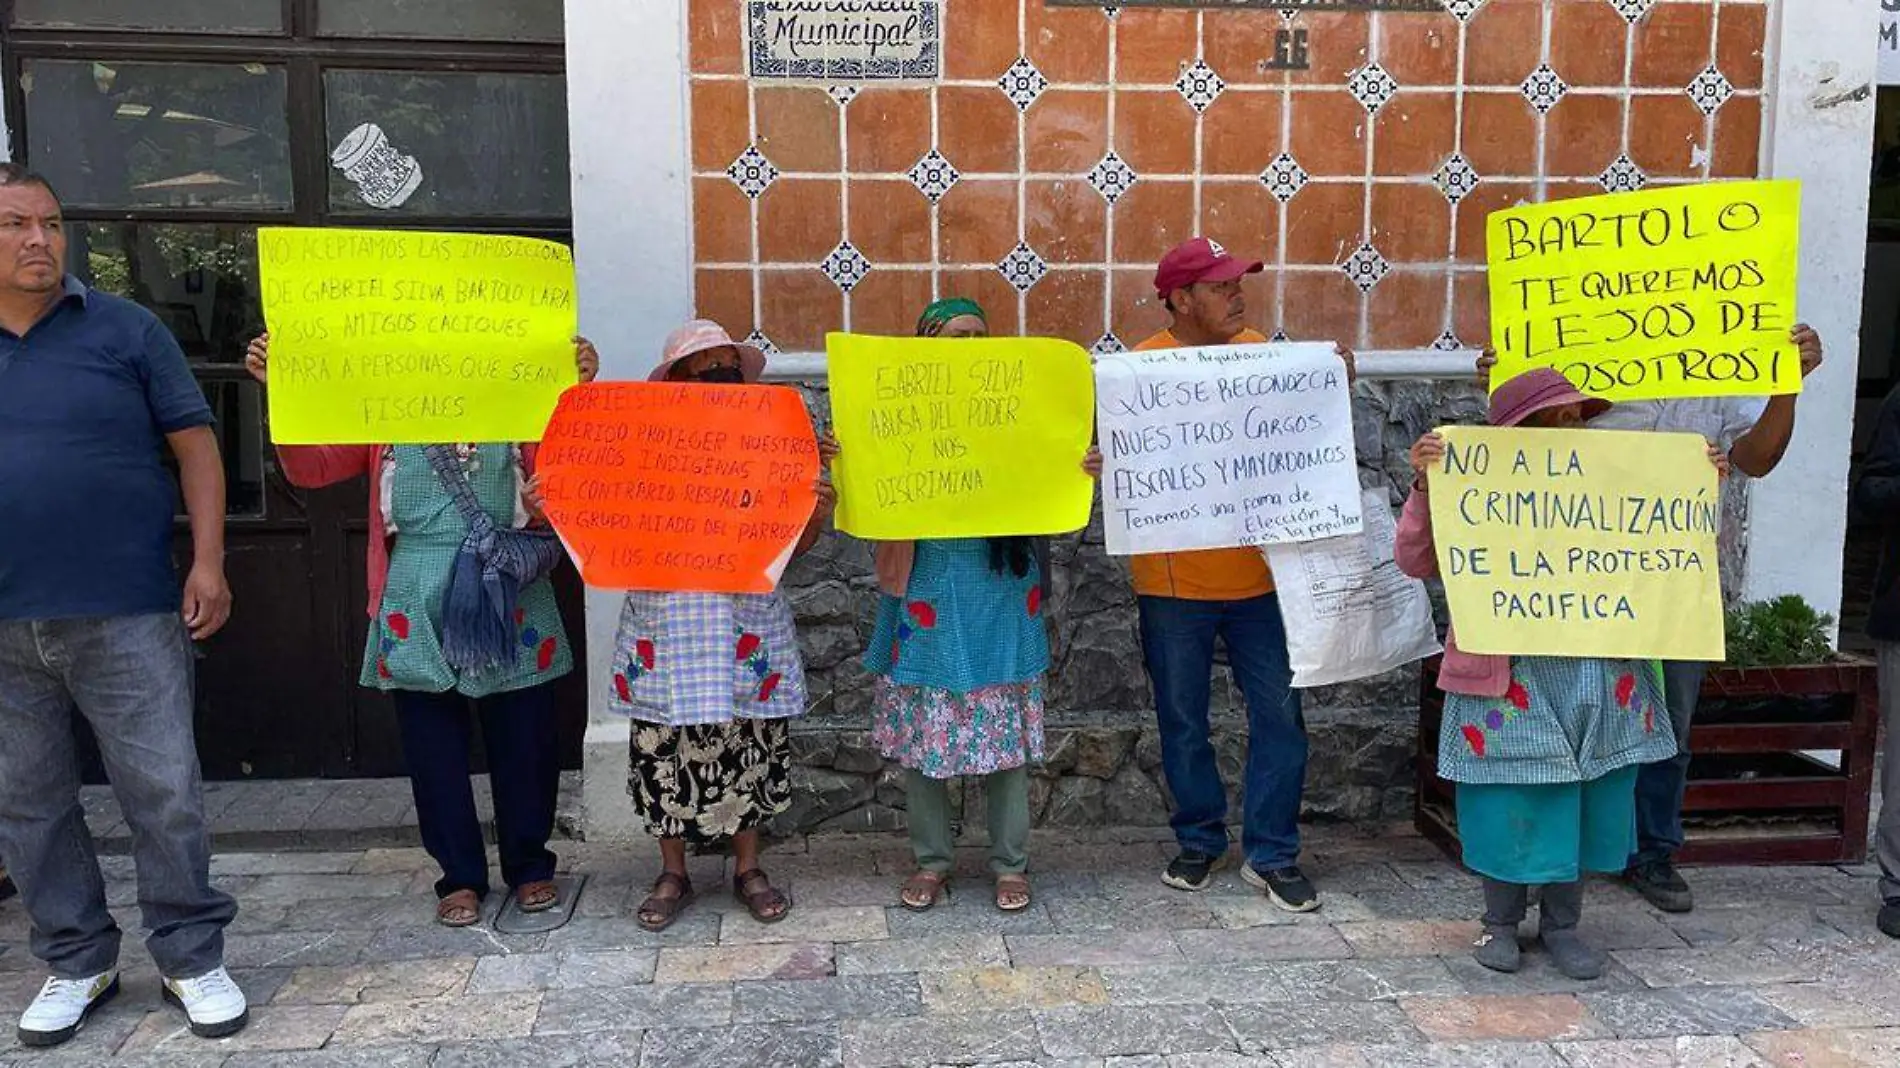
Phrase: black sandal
(657, 912)
(760, 903)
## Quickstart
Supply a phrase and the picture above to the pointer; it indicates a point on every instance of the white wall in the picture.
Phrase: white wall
(627, 124)
(1820, 116)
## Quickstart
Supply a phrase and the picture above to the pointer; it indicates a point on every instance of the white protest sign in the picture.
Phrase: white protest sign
(1350, 612)
(1225, 446)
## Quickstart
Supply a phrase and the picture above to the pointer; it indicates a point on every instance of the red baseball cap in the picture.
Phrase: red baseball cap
(1200, 260)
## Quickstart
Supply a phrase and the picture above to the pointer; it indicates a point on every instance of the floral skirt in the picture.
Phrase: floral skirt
(708, 782)
(943, 734)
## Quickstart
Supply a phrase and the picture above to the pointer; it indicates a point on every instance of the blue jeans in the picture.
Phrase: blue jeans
(524, 777)
(1660, 786)
(131, 677)
(1177, 641)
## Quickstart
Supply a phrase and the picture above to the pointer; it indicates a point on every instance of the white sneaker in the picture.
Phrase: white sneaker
(212, 1002)
(62, 1007)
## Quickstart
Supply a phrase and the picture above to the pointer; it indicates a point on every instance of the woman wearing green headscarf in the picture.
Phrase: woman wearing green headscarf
(959, 652)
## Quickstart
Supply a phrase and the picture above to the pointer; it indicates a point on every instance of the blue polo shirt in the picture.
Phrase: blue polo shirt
(86, 504)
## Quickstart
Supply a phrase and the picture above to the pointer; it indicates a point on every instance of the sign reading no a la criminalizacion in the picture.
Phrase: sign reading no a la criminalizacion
(1579, 543)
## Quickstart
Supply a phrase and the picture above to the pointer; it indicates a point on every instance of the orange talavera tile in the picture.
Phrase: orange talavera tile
(1337, 45)
(1135, 312)
(1241, 133)
(1067, 131)
(1741, 32)
(800, 306)
(1500, 134)
(722, 222)
(1068, 304)
(1150, 219)
(1321, 305)
(1420, 50)
(725, 297)
(890, 221)
(1329, 133)
(1066, 221)
(1476, 208)
(1154, 131)
(888, 129)
(976, 222)
(1668, 135)
(1240, 44)
(982, 41)
(1503, 42)
(716, 29)
(1589, 42)
(798, 128)
(800, 220)
(977, 129)
(1414, 133)
(1585, 135)
(1243, 215)
(1152, 46)
(1411, 222)
(721, 123)
(888, 302)
(1737, 151)
(1325, 222)
(1068, 44)
(1408, 309)
(1672, 45)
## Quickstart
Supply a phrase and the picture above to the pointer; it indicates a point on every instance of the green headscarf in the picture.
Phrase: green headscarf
(939, 314)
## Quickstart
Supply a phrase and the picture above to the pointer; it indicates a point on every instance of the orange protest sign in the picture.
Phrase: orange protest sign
(680, 487)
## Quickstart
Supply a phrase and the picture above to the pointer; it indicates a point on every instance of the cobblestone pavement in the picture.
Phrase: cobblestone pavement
(1108, 967)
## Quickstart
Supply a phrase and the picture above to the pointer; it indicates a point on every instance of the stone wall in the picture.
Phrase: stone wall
(1103, 755)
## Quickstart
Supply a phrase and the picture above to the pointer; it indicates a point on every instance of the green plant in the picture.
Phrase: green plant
(1777, 633)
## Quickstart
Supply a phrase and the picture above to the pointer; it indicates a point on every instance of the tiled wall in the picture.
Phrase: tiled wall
(1066, 148)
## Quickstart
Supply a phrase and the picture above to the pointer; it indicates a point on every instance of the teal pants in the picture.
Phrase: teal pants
(1548, 833)
(1007, 799)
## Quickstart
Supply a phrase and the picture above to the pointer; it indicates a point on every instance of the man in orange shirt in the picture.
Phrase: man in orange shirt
(1187, 600)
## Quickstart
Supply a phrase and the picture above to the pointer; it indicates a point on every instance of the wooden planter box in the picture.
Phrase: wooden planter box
(1754, 795)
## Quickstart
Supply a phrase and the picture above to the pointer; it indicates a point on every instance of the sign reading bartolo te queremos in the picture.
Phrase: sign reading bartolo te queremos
(1292, 47)
(844, 40)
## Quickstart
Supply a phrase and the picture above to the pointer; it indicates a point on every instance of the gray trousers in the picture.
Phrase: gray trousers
(1887, 832)
(131, 677)
(1006, 794)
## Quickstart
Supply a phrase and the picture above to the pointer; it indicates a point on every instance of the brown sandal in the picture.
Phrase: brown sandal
(1012, 893)
(538, 896)
(658, 911)
(921, 891)
(460, 909)
(762, 902)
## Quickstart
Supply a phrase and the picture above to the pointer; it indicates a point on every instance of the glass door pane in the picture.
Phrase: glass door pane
(130, 135)
(440, 143)
(449, 20)
(199, 279)
(217, 16)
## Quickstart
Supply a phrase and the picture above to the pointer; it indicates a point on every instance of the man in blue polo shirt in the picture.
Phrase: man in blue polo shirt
(92, 388)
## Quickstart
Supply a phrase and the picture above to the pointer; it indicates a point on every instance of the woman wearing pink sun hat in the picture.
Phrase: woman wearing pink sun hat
(1544, 750)
(711, 682)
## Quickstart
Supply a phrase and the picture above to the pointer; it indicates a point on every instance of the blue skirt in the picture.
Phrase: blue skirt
(1535, 835)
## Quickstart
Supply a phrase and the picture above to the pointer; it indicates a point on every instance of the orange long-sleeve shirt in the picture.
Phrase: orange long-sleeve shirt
(1210, 574)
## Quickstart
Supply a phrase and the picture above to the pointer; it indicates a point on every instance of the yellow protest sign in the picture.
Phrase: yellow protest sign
(1685, 291)
(960, 438)
(397, 337)
(1579, 543)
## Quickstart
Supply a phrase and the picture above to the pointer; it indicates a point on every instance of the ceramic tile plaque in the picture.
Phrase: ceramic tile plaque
(844, 40)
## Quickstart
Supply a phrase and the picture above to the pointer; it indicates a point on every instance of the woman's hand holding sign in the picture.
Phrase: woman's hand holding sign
(1427, 452)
